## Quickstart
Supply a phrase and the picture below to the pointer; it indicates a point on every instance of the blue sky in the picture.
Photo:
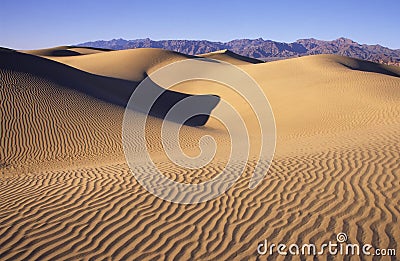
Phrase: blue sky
(39, 24)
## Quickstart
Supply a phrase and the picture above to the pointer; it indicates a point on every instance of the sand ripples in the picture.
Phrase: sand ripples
(67, 194)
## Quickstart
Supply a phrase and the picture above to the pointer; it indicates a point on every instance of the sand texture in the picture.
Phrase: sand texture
(66, 191)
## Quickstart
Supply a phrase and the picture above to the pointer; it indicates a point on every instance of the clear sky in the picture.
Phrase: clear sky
(38, 24)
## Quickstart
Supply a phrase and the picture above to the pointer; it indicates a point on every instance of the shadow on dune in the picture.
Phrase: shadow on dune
(112, 90)
(367, 66)
(63, 53)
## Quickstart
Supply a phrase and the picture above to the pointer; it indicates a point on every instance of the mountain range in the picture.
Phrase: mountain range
(266, 50)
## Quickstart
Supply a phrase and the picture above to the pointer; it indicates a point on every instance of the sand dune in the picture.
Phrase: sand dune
(65, 51)
(132, 64)
(109, 89)
(230, 57)
(67, 192)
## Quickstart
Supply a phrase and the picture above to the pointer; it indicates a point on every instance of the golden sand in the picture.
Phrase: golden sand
(66, 192)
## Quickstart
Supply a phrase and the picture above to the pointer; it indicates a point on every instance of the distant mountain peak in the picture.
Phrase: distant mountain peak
(344, 39)
(259, 48)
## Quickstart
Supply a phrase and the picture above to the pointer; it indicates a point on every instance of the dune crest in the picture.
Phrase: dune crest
(230, 57)
(66, 51)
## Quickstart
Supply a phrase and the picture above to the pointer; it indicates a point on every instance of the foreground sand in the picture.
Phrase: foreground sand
(66, 192)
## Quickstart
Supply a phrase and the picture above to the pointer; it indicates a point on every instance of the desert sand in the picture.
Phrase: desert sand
(66, 192)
